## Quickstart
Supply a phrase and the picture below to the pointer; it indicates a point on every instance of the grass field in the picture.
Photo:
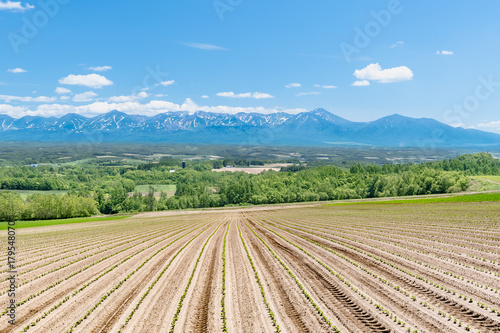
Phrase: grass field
(480, 185)
(158, 188)
(25, 193)
(342, 268)
(493, 178)
(42, 223)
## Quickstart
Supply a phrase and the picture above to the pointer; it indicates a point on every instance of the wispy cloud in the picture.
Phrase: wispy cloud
(84, 97)
(400, 43)
(310, 93)
(62, 91)
(361, 83)
(256, 95)
(167, 83)
(95, 81)
(100, 68)
(374, 72)
(201, 46)
(293, 85)
(17, 70)
(325, 86)
(443, 52)
(493, 126)
(15, 6)
(131, 98)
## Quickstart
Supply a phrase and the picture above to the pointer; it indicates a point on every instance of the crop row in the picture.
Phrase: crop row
(384, 249)
(155, 281)
(259, 282)
(183, 296)
(393, 266)
(299, 284)
(119, 284)
(54, 284)
(329, 269)
(223, 299)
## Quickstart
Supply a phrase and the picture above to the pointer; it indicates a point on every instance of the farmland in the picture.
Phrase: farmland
(385, 267)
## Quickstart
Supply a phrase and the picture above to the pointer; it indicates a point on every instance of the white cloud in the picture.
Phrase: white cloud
(311, 93)
(493, 126)
(62, 91)
(100, 68)
(374, 72)
(12, 111)
(202, 46)
(167, 83)
(457, 125)
(397, 44)
(40, 99)
(95, 81)
(362, 83)
(16, 70)
(131, 98)
(15, 6)
(121, 99)
(445, 52)
(293, 85)
(205, 96)
(256, 95)
(84, 97)
(64, 97)
(154, 107)
(325, 87)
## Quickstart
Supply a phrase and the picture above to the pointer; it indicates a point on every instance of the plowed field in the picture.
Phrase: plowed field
(353, 268)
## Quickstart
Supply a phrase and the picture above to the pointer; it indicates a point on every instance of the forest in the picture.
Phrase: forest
(93, 189)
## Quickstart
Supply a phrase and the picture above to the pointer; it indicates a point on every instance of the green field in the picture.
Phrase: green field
(158, 188)
(456, 198)
(492, 178)
(484, 183)
(30, 224)
(25, 193)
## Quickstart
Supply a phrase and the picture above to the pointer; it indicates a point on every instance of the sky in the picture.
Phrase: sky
(361, 60)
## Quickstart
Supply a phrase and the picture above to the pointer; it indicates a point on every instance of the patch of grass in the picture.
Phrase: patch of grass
(482, 184)
(41, 223)
(493, 178)
(25, 193)
(158, 188)
(457, 198)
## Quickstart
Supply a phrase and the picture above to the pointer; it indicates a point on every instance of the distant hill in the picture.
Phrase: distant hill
(315, 128)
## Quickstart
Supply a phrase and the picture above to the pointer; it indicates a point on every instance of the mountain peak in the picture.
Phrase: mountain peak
(328, 116)
(115, 113)
(320, 111)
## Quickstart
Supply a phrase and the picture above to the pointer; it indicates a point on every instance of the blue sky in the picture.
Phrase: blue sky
(361, 60)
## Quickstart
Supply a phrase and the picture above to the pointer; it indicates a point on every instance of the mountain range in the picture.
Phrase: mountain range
(314, 128)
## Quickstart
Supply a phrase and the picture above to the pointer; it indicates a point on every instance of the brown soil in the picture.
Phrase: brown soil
(365, 268)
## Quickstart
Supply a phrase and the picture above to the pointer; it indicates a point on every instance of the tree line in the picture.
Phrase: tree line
(45, 206)
(111, 190)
